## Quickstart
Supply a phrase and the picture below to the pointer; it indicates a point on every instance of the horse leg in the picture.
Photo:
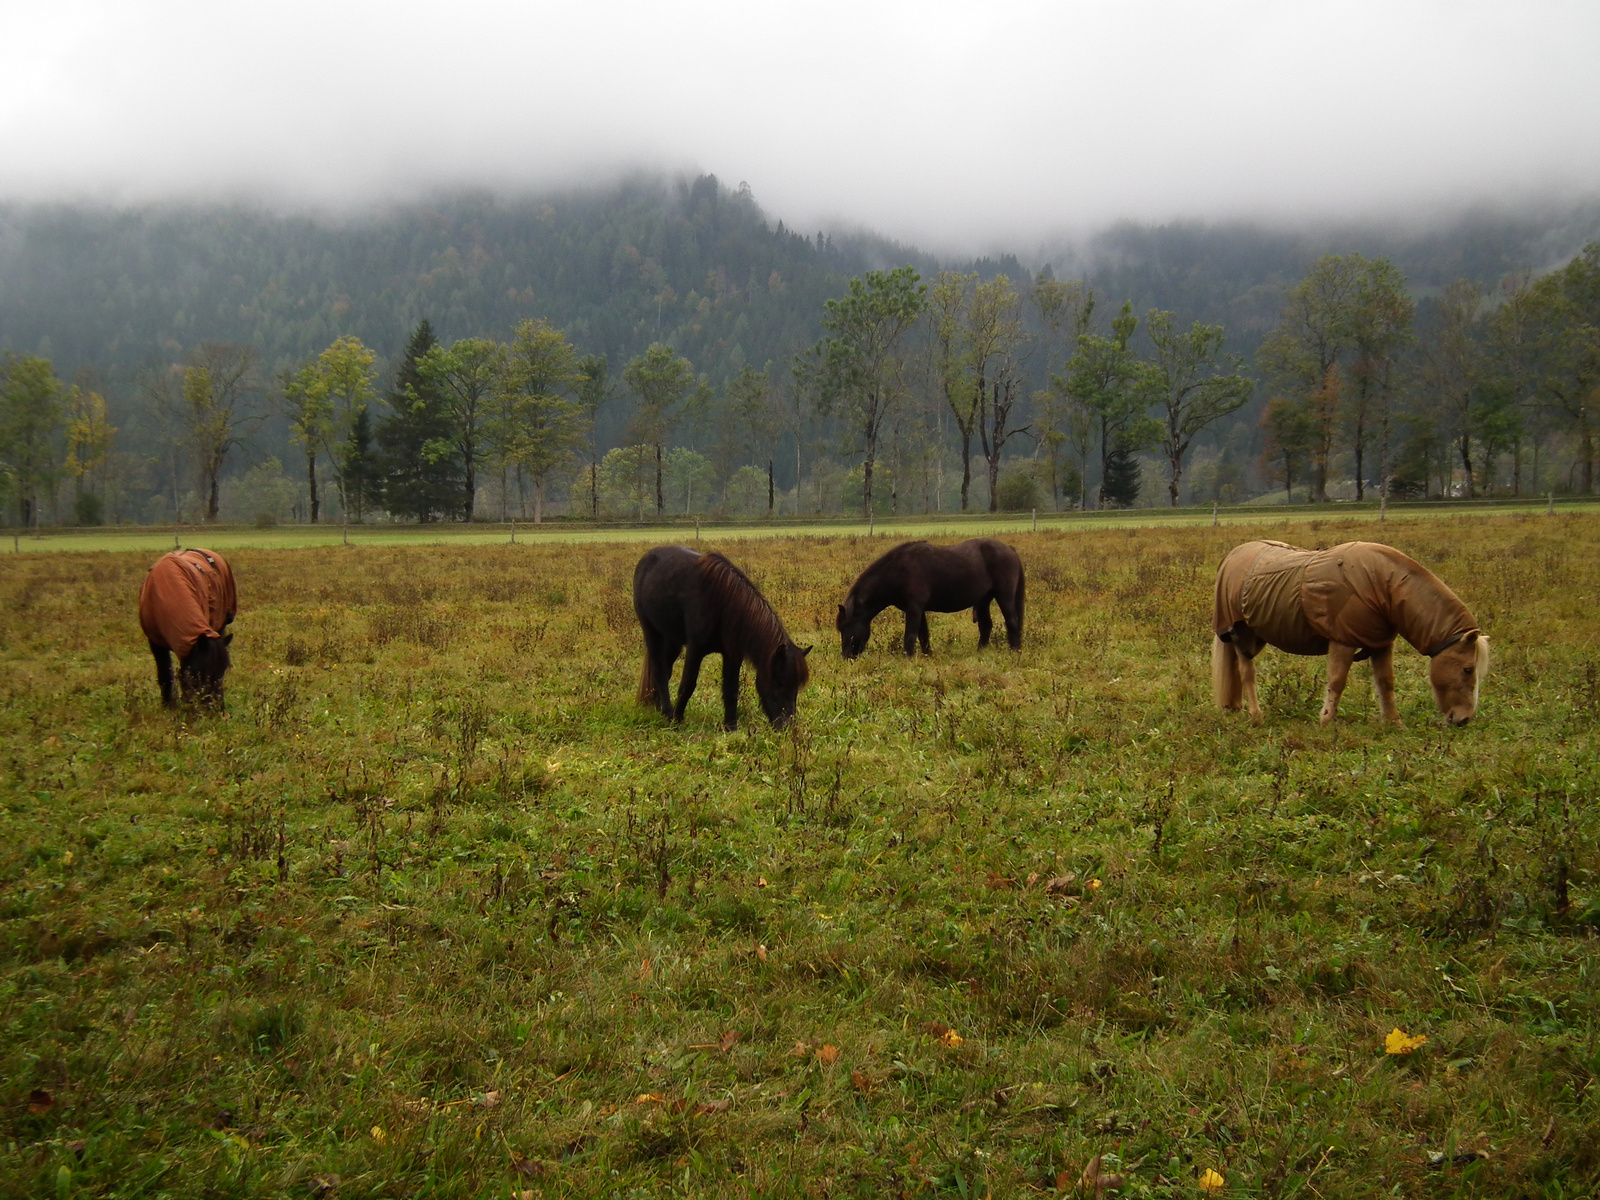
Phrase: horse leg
(691, 676)
(730, 691)
(922, 636)
(1247, 684)
(1339, 660)
(659, 655)
(1011, 610)
(980, 614)
(916, 621)
(1383, 683)
(163, 658)
(1224, 674)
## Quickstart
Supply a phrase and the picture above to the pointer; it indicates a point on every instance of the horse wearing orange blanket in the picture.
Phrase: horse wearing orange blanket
(1349, 602)
(185, 607)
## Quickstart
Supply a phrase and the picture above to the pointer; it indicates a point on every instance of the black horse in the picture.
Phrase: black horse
(704, 603)
(919, 578)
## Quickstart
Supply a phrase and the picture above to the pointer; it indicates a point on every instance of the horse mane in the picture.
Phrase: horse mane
(748, 620)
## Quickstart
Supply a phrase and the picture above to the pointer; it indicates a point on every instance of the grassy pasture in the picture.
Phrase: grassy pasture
(437, 910)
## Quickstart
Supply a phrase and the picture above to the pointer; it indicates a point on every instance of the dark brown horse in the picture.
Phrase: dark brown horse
(919, 578)
(703, 604)
(185, 606)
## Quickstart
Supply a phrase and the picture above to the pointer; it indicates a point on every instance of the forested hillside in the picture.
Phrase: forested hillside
(116, 300)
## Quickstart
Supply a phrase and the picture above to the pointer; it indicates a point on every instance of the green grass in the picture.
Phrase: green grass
(437, 910)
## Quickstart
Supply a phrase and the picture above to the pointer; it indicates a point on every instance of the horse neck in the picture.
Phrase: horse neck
(751, 629)
(870, 592)
(1429, 611)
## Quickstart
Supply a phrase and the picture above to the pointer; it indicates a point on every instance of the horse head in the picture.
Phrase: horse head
(201, 673)
(854, 628)
(1456, 673)
(779, 680)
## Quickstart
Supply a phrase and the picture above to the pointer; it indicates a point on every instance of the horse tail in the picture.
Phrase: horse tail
(1226, 685)
(647, 682)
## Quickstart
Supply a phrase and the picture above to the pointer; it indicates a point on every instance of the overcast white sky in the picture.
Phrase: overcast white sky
(957, 125)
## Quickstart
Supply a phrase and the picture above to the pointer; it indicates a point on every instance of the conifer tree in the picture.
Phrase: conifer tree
(421, 469)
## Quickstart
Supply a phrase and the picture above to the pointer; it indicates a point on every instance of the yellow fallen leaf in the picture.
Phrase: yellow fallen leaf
(1400, 1042)
(1211, 1181)
(761, 952)
(66, 859)
(951, 1038)
(1094, 885)
(649, 1098)
(828, 1055)
(378, 1135)
(645, 970)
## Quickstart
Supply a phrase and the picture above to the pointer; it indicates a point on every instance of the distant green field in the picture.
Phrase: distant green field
(288, 537)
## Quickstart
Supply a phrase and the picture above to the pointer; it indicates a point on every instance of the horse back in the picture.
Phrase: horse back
(668, 589)
(964, 575)
(186, 596)
(1260, 583)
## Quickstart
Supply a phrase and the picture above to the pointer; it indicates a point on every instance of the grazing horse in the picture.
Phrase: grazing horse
(185, 606)
(1349, 603)
(705, 604)
(919, 578)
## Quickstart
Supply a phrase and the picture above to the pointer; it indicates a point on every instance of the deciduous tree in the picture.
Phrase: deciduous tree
(545, 421)
(856, 370)
(661, 380)
(30, 430)
(1313, 330)
(1194, 386)
(217, 384)
(1115, 389)
(465, 376)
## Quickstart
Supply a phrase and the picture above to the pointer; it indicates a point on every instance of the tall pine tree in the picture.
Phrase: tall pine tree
(1122, 478)
(421, 467)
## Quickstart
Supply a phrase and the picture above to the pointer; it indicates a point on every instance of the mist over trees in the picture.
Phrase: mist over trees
(668, 349)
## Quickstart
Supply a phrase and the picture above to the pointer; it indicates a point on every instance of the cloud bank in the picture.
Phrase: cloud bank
(958, 125)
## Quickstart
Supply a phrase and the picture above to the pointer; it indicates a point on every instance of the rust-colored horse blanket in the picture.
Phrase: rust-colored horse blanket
(1355, 594)
(188, 595)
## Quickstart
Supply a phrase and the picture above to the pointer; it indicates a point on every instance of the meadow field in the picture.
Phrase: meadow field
(437, 910)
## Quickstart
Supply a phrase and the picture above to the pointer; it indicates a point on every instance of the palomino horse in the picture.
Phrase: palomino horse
(704, 604)
(1349, 603)
(919, 578)
(185, 606)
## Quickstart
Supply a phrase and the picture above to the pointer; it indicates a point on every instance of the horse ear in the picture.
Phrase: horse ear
(804, 650)
(227, 639)
(839, 624)
(1470, 638)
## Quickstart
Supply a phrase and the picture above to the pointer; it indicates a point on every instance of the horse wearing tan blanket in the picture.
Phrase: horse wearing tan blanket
(1348, 602)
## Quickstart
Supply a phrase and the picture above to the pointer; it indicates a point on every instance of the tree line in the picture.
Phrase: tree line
(919, 389)
(1456, 396)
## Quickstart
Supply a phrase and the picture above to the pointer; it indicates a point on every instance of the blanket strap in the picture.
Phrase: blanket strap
(1441, 647)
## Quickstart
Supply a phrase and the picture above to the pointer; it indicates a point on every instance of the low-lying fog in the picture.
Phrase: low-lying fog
(960, 126)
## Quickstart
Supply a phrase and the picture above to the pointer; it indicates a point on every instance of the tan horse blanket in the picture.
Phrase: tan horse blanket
(1359, 594)
(187, 595)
